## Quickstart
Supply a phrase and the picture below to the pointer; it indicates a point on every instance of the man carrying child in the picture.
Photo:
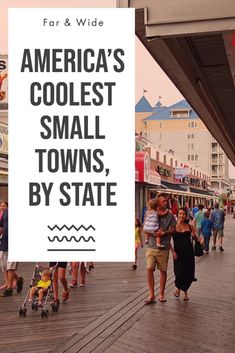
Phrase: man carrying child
(158, 255)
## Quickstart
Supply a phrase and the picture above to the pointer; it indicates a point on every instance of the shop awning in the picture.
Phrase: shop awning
(175, 188)
(202, 192)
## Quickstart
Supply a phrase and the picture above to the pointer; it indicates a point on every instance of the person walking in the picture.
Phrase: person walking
(159, 256)
(207, 227)
(74, 272)
(199, 216)
(184, 261)
(138, 240)
(218, 218)
(9, 268)
(60, 275)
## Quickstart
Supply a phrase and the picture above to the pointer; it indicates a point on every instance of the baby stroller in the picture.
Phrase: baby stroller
(48, 294)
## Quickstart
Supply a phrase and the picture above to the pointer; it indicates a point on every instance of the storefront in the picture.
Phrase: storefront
(146, 177)
(3, 186)
(3, 162)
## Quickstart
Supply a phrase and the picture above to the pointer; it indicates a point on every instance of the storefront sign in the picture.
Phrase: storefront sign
(163, 171)
(142, 164)
(3, 78)
(154, 177)
(3, 178)
(181, 172)
(3, 139)
(137, 177)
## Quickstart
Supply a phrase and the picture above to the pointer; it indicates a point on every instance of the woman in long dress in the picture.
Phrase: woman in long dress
(184, 264)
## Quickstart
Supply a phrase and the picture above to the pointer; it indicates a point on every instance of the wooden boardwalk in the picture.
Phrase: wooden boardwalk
(108, 315)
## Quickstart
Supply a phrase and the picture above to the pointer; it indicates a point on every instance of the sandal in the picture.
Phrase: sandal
(65, 295)
(149, 301)
(177, 292)
(186, 298)
(162, 299)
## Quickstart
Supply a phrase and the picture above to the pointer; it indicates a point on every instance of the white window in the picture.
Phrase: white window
(180, 113)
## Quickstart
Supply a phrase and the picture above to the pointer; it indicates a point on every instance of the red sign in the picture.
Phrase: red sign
(142, 165)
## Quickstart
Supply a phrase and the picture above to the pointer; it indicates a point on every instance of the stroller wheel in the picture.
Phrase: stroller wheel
(55, 306)
(44, 313)
(21, 312)
(24, 311)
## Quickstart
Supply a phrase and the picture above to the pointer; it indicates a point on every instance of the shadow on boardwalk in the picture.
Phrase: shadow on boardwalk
(108, 315)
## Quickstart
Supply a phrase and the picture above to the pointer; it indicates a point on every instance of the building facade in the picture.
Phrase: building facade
(160, 171)
(3, 128)
(179, 130)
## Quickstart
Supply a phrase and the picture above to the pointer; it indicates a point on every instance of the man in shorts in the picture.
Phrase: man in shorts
(159, 256)
(218, 217)
(8, 267)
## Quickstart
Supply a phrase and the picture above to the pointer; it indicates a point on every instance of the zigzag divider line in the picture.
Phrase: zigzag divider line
(70, 239)
(72, 226)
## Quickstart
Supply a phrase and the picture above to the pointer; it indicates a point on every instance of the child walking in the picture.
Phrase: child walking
(138, 240)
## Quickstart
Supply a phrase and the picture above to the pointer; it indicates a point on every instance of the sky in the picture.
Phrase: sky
(149, 76)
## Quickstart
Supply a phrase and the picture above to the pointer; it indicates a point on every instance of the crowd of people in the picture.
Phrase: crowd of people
(166, 229)
(163, 221)
(14, 281)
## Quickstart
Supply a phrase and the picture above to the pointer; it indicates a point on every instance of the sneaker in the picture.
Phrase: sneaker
(221, 248)
(19, 284)
(73, 284)
(7, 293)
(65, 295)
(82, 284)
(213, 248)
